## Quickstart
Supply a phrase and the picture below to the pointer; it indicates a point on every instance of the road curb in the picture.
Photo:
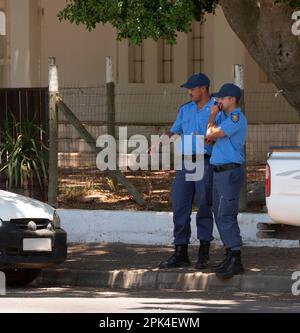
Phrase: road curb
(158, 279)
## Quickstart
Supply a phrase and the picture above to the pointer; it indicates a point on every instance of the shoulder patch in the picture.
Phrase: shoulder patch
(235, 117)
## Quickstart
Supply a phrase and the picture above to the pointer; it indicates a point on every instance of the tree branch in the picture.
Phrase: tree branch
(243, 18)
(266, 32)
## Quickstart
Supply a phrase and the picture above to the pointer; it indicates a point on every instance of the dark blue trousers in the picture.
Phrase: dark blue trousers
(183, 192)
(226, 188)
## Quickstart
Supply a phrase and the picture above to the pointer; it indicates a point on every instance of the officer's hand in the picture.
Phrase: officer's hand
(214, 109)
(208, 141)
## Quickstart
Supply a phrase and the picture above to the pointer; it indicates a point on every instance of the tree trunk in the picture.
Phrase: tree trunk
(265, 30)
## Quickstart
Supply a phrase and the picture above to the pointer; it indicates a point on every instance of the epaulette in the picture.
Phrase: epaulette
(184, 105)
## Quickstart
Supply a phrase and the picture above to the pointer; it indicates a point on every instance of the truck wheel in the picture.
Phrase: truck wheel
(20, 276)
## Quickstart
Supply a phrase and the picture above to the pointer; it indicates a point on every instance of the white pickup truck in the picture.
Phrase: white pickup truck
(282, 192)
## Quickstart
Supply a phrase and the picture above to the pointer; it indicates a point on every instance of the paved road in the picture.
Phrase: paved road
(91, 300)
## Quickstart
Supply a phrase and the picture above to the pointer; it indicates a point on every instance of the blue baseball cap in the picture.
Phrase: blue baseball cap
(229, 90)
(196, 80)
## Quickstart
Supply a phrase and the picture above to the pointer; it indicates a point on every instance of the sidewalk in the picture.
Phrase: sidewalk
(119, 265)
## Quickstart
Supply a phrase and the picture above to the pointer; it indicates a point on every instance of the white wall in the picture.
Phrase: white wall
(154, 228)
(24, 43)
(80, 54)
(226, 51)
(36, 34)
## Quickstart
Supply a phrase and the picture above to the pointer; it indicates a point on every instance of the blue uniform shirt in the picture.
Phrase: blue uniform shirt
(191, 121)
(230, 149)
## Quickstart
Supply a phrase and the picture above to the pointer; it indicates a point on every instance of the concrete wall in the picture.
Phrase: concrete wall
(222, 49)
(227, 50)
(152, 228)
(4, 50)
(24, 36)
(81, 58)
(262, 105)
(35, 34)
(80, 54)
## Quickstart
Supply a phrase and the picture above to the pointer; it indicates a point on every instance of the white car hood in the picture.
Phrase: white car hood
(15, 206)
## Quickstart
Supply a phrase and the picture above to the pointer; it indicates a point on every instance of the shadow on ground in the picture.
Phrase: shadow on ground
(118, 256)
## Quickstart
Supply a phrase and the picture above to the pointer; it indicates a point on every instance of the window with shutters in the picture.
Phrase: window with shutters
(196, 47)
(165, 61)
(136, 63)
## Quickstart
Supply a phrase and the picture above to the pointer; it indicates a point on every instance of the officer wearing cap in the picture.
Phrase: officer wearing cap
(228, 129)
(192, 119)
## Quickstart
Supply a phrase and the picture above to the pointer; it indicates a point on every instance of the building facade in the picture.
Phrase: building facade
(33, 33)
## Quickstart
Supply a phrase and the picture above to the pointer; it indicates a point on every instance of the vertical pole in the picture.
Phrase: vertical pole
(110, 98)
(53, 133)
(111, 112)
(239, 81)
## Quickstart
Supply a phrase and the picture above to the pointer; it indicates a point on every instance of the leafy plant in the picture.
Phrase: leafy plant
(23, 154)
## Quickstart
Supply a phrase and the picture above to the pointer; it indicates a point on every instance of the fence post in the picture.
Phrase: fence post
(110, 98)
(53, 133)
(110, 108)
(239, 81)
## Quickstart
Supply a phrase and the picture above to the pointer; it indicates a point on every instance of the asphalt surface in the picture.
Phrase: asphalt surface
(92, 300)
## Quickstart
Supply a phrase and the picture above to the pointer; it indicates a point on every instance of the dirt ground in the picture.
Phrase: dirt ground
(93, 189)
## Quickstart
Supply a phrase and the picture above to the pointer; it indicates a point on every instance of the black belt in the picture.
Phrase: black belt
(194, 157)
(224, 167)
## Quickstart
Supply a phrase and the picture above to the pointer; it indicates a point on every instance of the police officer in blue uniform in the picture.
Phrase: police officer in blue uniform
(192, 119)
(227, 128)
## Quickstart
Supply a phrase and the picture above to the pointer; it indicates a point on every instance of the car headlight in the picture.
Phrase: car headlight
(56, 220)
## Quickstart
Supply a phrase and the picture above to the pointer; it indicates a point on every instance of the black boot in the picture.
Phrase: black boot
(221, 264)
(232, 265)
(180, 258)
(203, 255)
